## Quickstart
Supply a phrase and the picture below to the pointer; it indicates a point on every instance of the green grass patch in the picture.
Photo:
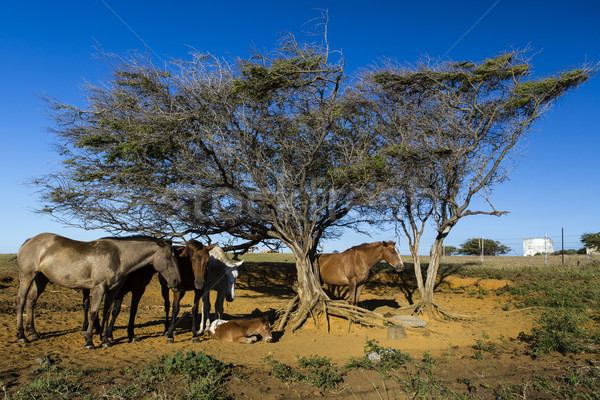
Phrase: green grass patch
(315, 370)
(378, 358)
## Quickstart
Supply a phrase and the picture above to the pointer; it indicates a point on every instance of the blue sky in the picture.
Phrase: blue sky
(49, 47)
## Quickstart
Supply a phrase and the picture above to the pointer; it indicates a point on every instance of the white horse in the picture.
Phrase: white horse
(221, 277)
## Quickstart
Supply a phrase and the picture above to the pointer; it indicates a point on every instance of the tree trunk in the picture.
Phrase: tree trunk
(432, 272)
(414, 250)
(309, 294)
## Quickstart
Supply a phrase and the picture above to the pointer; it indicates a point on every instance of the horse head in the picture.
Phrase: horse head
(265, 329)
(165, 263)
(231, 274)
(392, 256)
(199, 256)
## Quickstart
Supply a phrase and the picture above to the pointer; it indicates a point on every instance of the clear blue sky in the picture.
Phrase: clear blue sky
(48, 47)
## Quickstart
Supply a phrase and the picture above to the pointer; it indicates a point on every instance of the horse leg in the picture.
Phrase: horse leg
(86, 308)
(25, 282)
(135, 301)
(247, 340)
(197, 296)
(97, 295)
(85, 293)
(35, 290)
(109, 300)
(116, 310)
(164, 290)
(352, 292)
(219, 305)
(176, 299)
(359, 289)
(205, 311)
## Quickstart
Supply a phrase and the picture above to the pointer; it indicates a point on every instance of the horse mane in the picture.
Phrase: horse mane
(363, 245)
(218, 253)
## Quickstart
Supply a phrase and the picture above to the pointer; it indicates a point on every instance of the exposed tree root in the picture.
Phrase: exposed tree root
(436, 312)
(280, 324)
(354, 314)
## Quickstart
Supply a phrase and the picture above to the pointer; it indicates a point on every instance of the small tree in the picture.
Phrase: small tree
(451, 250)
(455, 125)
(488, 246)
(591, 240)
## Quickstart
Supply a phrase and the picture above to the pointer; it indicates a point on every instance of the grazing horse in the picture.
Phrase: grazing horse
(194, 271)
(222, 274)
(101, 265)
(240, 330)
(137, 282)
(351, 267)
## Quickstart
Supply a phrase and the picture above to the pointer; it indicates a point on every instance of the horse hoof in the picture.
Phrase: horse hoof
(22, 340)
(133, 339)
(107, 344)
(170, 340)
(195, 339)
(34, 336)
(89, 347)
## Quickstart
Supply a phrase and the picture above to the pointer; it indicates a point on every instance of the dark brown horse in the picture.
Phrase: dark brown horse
(351, 267)
(194, 255)
(186, 260)
(100, 265)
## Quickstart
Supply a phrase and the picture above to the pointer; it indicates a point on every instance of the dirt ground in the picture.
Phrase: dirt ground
(264, 289)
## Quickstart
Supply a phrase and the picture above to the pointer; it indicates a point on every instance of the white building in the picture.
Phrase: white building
(534, 246)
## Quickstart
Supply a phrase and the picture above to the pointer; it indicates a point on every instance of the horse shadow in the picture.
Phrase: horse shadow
(57, 333)
(373, 304)
(121, 330)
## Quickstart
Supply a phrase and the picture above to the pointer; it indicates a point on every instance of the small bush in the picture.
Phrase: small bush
(315, 370)
(382, 359)
(205, 376)
(558, 330)
(54, 383)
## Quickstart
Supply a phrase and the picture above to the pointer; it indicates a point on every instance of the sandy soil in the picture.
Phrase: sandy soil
(265, 290)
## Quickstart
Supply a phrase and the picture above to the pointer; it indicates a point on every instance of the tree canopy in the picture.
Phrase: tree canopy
(489, 247)
(591, 240)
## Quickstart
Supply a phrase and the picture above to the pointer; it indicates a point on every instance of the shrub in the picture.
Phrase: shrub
(317, 371)
(205, 376)
(382, 359)
(558, 330)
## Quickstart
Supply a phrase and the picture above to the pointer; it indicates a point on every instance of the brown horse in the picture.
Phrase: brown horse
(240, 330)
(101, 265)
(351, 267)
(188, 260)
(194, 253)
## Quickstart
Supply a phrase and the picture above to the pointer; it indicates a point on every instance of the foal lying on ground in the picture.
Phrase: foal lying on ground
(238, 330)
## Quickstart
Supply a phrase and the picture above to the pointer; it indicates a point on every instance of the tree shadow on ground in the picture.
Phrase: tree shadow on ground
(278, 278)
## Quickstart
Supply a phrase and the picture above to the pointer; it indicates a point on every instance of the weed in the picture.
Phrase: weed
(283, 372)
(205, 376)
(320, 372)
(55, 383)
(558, 330)
(317, 371)
(422, 383)
(482, 346)
(381, 359)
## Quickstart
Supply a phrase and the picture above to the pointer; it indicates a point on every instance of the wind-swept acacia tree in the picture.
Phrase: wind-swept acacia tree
(266, 148)
(458, 124)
